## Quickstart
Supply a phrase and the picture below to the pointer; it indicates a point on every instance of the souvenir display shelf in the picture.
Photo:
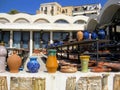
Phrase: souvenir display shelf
(76, 48)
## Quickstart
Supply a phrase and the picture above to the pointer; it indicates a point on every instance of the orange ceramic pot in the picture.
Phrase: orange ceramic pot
(79, 35)
(52, 63)
(14, 62)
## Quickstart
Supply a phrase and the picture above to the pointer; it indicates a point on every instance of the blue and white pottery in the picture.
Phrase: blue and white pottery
(94, 35)
(33, 65)
(86, 34)
(101, 34)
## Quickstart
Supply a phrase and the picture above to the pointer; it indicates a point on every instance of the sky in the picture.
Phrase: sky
(30, 6)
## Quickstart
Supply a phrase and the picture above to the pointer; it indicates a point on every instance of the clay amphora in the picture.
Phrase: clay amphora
(14, 62)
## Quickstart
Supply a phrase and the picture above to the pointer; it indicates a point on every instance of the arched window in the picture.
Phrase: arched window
(41, 21)
(4, 20)
(80, 22)
(61, 21)
(21, 20)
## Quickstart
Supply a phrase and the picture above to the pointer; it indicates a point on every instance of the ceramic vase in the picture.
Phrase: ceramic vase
(79, 35)
(51, 63)
(94, 35)
(33, 65)
(84, 62)
(86, 34)
(101, 34)
(3, 54)
(14, 62)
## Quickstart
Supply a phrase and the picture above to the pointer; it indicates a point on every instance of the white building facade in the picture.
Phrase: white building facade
(36, 31)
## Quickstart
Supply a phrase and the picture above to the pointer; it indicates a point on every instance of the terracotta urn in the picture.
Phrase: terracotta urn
(3, 54)
(14, 62)
(52, 63)
(79, 35)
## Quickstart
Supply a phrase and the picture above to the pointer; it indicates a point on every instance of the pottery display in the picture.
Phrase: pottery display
(14, 62)
(94, 35)
(51, 63)
(101, 34)
(86, 34)
(79, 35)
(33, 65)
(3, 54)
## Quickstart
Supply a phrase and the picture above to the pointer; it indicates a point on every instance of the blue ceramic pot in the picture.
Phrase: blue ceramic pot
(86, 34)
(33, 65)
(101, 34)
(94, 35)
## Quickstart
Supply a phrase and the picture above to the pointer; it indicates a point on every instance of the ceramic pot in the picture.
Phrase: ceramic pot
(51, 63)
(101, 34)
(94, 35)
(33, 65)
(84, 62)
(14, 62)
(86, 34)
(79, 35)
(3, 54)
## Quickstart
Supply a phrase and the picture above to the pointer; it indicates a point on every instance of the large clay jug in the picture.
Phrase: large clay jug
(14, 62)
(79, 35)
(3, 54)
(51, 63)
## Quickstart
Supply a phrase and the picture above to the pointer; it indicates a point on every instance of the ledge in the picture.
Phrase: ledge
(57, 81)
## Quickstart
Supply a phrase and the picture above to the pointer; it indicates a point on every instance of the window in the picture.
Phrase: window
(61, 21)
(36, 39)
(66, 10)
(41, 8)
(59, 36)
(75, 9)
(45, 11)
(52, 10)
(5, 37)
(45, 38)
(25, 39)
(63, 11)
(16, 41)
